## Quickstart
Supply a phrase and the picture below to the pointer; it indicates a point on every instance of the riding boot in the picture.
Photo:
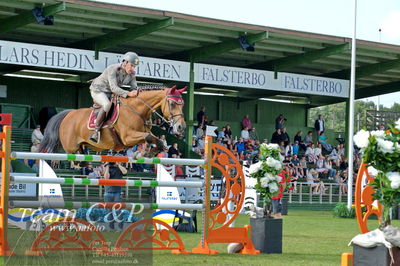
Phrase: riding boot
(99, 122)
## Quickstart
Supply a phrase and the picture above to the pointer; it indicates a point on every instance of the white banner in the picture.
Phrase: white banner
(162, 69)
(22, 189)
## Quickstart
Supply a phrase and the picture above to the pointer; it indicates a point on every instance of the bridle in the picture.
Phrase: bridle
(171, 121)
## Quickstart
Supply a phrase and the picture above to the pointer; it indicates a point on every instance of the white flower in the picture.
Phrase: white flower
(385, 146)
(254, 168)
(271, 162)
(264, 182)
(378, 133)
(394, 178)
(361, 138)
(273, 187)
(271, 146)
(372, 171)
(397, 124)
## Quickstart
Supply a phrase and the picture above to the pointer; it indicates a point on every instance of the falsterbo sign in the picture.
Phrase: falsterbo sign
(161, 69)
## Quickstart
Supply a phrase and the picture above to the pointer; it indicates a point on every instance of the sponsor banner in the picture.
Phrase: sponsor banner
(22, 189)
(161, 69)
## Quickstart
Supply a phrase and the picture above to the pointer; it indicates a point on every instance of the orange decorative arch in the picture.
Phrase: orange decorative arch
(363, 197)
(223, 215)
(150, 234)
(60, 235)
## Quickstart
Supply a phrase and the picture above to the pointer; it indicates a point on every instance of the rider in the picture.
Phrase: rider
(110, 81)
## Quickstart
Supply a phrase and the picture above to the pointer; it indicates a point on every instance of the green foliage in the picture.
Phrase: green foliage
(342, 211)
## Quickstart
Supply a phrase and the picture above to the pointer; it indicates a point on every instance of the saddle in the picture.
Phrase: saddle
(111, 118)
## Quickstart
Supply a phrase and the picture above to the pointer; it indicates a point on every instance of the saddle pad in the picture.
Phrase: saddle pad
(110, 119)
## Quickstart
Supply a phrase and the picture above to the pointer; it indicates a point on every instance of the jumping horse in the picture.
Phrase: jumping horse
(133, 126)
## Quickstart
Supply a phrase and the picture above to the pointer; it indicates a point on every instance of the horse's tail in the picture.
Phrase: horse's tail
(51, 139)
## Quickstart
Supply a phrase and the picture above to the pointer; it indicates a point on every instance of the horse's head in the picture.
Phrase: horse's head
(173, 110)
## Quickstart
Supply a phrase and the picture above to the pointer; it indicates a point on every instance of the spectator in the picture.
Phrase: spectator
(310, 154)
(37, 135)
(221, 133)
(201, 117)
(228, 132)
(279, 121)
(282, 147)
(308, 138)
(341, 150)
(35, 166)
(285, 136)
(299, 140)
(87, 168)
(244, 134)
(303, 167)
(322, 139)
(321, 165)
(318, 151)
(317, 186)
(264, 141)
(240, 147)
(164, 141)
(277, 200)
(253, 134)
(200, 132)
(174, 150)
(113, 193)
(334, 155)
(276, 136)
(246, 122)
(289, 149)
(35, 146)
(296, 166)
(295, 148)
(331, 171)
(319, 125)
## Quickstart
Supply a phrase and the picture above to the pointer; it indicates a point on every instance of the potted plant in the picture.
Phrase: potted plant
(270, 181)
(381, 154)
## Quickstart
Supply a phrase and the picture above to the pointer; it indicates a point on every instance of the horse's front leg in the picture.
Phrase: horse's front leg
(137, 137)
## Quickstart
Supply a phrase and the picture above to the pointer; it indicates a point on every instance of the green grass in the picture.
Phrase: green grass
(309, 238)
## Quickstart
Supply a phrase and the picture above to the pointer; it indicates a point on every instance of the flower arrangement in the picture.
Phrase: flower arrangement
(268, 173)
(381, 153)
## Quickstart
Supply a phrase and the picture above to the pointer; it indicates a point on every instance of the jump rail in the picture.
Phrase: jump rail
(105, 182)
(103, 158)
(106, 205)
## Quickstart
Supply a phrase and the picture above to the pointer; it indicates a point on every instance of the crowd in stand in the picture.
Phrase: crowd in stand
(304, 159)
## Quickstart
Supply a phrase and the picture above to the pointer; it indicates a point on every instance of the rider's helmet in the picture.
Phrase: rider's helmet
(131, 57)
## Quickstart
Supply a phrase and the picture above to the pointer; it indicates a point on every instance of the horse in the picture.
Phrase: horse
(133, 126)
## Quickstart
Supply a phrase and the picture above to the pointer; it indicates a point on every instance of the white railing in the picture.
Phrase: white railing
(304, 194)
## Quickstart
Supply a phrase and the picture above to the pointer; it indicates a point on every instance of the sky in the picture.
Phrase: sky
(377, 21)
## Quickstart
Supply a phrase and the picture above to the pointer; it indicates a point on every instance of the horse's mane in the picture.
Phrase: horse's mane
(152, 87)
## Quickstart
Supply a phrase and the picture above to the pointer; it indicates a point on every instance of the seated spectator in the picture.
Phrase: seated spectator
(246, 122)
(276, 136)
(253, 134)
(296, 166)
(320, 165)
(87, 168)
(279, 121)
(285, 136)
(295, 147)
(342, 181)
(334, 155)
(220, 142)
(35, 166)
(308, 139)
(341, 151)
(248, 158)
(244, 134)
(300, 141)
(303, 167)
(343, 165)
(174, 150)
(282, 147)
(288, 149)
(322, 139)
(221, 133)
(318, 150)
(240, 147)
(317, 186)
(331, 171)
(228, 132)
(264, 141)
(200, 132)
(310, 154)
(164, 141)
